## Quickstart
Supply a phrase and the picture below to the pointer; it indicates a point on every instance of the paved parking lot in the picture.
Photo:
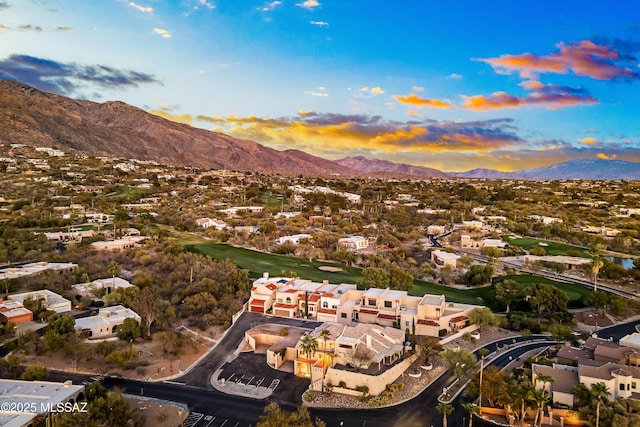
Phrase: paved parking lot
(251, 369)
(197, 419)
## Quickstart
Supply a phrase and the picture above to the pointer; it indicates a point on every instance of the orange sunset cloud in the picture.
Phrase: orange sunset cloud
(583, 58)
(414, 99)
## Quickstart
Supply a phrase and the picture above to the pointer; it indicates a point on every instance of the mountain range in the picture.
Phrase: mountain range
(33, 117)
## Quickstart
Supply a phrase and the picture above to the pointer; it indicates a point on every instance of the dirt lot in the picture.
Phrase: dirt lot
(157, 363)
(157, 414)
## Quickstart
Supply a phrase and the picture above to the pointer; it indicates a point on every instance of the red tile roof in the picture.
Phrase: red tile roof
(368, 311)
(327, 311)
(459, 319)
(271, 286)
(314, 297)
(428, 322)
(282, 305)
(387, 316)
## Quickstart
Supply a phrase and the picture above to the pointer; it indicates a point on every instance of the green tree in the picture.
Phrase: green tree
(508, 292)
(459, 361)
(618, 304)
(400, 279)
(113, 268)
(35, 373)
(471, 409)
(483, 317)
(596, 264)
(129, 330)
(325, 334)
(374, 277)
(429, 347)
(309, 345)
(598, 299)
(478, 275)
(274, 416)
(547, 299)
(10, 363)
(600, 392)
(147, 304)
(445, 410)
(200, 304)
(61, 324)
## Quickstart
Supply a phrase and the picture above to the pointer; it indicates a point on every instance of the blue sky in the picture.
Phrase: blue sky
(452, 85)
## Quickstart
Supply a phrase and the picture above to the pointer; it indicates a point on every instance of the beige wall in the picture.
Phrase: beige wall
(376, 383)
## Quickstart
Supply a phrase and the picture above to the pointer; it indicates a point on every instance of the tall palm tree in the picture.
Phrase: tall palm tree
(483, 352)
(445, 409)
(325, 334)
(599, 391)
(544, 379)
(309, 345)
(539, 397)
(596, 264)
(472, 409)
(113, 268)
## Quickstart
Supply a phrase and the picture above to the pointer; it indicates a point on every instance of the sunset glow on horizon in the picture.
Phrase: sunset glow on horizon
(453, 86)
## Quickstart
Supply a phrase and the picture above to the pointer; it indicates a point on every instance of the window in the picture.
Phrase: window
(355, 316)
(633, 385)
(325, 304)
(279, 299)
(372, 302)
(621, 387)
(288, 300)
(344, 316)
(407, 323)
(387, 304)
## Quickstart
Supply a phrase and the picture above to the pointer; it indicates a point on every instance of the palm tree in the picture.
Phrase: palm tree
(472, 409)
(544, 379)
(540, 397)
(309, 345)
(113, 268)
(596, 264)
(445, 409)
(599, 391)
(483, 352)
(325, 334)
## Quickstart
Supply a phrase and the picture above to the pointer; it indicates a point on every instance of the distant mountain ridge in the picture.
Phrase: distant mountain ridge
(362, 164)
(30, 116)
(594, 169)
(33, 117)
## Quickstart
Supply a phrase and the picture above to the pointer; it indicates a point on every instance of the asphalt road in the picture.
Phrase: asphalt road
(242, 412)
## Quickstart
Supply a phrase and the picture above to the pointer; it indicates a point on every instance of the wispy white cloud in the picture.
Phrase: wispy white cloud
(270, 6)
(418, 88)
(62, 28)
(320, 94)
(319, 23)
(455, 76)
(206, 4)
(162, 33)
(309, 4)
(140, 8)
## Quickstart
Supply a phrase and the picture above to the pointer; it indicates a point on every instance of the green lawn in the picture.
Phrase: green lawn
(271, 200)
(552, 248)
(257, 263)
(576, 293)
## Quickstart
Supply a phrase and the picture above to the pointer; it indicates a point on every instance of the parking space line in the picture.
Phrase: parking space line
(249, 382)
(240, 379)
(274, 384)
(225, 421)
(212, 420)
(229, 379)
(192, 419)
(259, 382)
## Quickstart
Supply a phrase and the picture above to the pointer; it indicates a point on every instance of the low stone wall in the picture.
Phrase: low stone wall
(346, 391)
(458, 334)
(376, 383)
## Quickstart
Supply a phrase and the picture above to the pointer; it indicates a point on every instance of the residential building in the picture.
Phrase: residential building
(118, 244)
(354, 243)
(35, 268)
(569, 262)
(565, 378)
(109, 285)
(50, 300)
(443, 258)
(218, 224)
(546, 220)
(287, 215)
(106, 322)
(436, 229)
(297, 298)
(295, 239)
(32, 399)
(15, 312)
